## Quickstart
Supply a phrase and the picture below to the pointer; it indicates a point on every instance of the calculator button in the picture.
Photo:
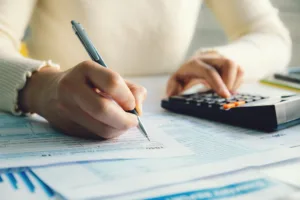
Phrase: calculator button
(203, 104)
(238, 96)
(231, 101)
(229, 105)
(239, 103)
(220, 100)
(258, 98)
(199, 100)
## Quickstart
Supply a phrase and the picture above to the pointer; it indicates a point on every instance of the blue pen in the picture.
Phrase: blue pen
(92, 51)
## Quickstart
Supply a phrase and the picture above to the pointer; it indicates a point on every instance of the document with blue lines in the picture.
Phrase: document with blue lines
(218, 148)
(32, 142)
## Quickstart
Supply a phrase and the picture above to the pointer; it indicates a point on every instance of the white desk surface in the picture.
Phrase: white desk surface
(156, 91)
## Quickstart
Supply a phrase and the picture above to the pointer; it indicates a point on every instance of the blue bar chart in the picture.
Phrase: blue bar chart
(25, 182)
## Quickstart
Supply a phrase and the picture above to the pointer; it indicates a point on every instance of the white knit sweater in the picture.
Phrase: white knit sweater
(135, 37)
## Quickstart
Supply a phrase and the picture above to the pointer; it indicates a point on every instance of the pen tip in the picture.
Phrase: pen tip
(143, 129)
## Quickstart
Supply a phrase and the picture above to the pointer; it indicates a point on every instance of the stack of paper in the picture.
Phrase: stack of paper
(191, 149)
(240, 148)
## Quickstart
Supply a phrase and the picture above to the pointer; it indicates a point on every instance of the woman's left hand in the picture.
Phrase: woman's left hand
(215, 71)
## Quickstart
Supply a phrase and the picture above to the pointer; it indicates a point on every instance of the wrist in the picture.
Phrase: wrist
(30, 97)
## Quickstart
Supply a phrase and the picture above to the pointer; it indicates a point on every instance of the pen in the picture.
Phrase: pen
(90, 48)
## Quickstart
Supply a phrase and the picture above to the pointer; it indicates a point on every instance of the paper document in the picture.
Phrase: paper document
(23, 184)
(287, 172)
(218, 148)
(26, 142)
(84, 180)
(242, 185)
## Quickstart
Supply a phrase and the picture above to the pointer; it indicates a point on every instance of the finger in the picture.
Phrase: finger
(194, 82)
(239, 80)
(61, 122)
(173, 87)
(216, 61)
(110, 83)
(93, 127)
(229, 74)
(203, 70)
(139, 93)
(227, 67)
(104, 110)
(215, 81)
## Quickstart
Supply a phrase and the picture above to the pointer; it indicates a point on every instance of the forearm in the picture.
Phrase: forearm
(259, 41)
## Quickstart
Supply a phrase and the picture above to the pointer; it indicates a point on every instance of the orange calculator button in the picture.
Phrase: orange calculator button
(229, 105)
(239, 103)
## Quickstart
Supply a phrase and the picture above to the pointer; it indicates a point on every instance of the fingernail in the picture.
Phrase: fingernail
(139, 109)
(225, 92)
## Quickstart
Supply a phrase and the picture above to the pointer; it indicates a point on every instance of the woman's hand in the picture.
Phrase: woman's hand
(215, 71)
(87, 100)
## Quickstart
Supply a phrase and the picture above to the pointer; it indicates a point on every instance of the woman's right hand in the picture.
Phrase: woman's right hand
(86, 101)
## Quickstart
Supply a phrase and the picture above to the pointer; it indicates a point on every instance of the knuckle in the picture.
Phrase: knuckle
(115, 80)
(85, 65)
(229, 63)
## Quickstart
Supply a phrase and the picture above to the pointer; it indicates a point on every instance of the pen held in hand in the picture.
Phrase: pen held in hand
(95, 56)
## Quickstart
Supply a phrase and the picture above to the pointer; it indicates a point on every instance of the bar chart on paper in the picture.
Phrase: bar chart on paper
(23, 184)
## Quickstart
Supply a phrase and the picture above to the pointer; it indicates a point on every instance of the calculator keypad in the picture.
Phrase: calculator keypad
(212, 100)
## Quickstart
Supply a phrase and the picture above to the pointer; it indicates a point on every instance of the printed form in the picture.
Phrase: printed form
(27, 142)
(213, 144)
(241, 185)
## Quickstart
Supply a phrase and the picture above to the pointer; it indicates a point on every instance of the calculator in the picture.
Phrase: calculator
(245, 110)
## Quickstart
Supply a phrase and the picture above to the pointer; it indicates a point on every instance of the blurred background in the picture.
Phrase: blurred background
(212, 34)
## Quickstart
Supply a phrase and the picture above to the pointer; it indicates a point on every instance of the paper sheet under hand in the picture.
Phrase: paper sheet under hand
(27, 142)
(218, 148)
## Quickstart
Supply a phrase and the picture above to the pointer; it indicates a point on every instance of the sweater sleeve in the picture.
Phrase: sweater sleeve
(14, 68)
(258, 40)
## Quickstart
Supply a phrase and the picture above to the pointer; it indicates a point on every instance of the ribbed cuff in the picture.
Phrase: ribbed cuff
(14, 71)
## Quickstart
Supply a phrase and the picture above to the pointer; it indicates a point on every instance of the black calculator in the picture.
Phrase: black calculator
(245, 110)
